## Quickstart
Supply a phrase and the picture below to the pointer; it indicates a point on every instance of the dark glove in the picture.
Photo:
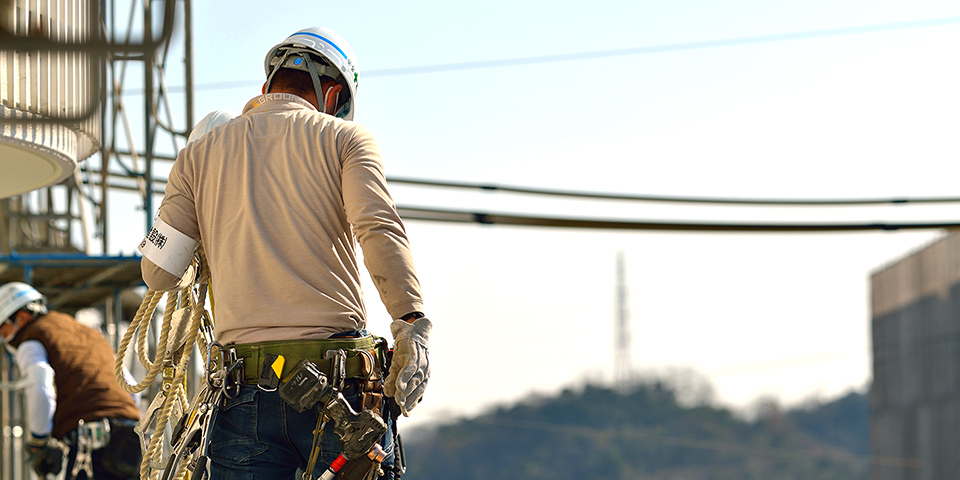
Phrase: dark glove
(43, 457)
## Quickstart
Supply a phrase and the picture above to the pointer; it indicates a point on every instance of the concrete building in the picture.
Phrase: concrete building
(915, 399)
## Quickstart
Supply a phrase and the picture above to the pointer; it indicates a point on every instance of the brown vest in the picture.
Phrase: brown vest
(83, 366)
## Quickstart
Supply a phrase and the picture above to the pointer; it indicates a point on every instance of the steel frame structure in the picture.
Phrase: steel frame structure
(47, 236)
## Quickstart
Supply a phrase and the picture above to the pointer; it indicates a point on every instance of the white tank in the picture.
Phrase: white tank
(46, 85)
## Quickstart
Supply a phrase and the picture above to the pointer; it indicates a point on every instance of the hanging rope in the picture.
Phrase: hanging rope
(171, 358)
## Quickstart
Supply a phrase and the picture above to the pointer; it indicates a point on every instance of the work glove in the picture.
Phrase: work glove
(410, 367)
(44, 457)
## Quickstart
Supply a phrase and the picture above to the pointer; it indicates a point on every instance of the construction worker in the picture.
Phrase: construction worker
(279, 197)
(76, 412)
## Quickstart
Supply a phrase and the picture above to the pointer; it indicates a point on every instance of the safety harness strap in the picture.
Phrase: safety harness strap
(357, 364)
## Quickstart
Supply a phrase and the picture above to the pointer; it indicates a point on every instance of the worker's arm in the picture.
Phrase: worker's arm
(377, 225)
(388, 258)
(169, 246)
(39, 392)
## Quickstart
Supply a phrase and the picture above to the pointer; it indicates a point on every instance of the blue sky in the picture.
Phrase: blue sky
(836, 113)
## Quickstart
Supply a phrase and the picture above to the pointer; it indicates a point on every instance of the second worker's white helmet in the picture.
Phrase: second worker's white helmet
(16, 295)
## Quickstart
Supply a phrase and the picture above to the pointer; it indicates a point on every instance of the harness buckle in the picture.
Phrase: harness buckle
(224, 369)
(270, 372)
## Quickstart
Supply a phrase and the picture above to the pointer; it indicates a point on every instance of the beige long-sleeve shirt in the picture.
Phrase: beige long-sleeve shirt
(279, 198)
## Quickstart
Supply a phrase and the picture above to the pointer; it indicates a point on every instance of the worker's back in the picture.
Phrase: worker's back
(83, 365)
(276, 191)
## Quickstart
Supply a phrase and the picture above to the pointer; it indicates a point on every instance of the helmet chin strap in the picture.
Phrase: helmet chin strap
(316, 71)
(266, 85)
(318, 86)
(12, 351)
(13, 333)
(37, 311)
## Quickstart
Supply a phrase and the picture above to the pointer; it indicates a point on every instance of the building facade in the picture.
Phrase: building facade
(915, 399)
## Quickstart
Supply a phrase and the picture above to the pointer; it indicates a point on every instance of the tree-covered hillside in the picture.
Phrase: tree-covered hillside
(598, 433)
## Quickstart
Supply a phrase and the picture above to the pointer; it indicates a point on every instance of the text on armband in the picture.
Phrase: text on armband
(156, 238)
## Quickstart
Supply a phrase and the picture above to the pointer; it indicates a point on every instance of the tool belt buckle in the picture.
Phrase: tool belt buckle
(270, 372)
(98, 432)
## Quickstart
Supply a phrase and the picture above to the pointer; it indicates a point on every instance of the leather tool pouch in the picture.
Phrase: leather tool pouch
(371, 397)
(371, 385)
(359, 469)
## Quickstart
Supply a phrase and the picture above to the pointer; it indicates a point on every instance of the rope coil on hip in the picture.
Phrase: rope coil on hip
(170, 360)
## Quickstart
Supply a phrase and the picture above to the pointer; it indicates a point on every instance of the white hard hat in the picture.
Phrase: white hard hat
(336, 60)
(16, 295)
(209, 122)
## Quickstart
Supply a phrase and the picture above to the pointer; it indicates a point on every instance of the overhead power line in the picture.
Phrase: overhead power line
(466, 216)
(460, 216)
(676, 47)
(674, 199)
(618, 52)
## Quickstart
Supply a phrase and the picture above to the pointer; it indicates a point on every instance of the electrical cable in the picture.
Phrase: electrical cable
(466, 216)
(619, 52)
(674, 199)
(676, 47)
(461, 216)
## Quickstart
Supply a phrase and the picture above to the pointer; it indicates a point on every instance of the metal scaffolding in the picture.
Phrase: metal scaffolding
(57, 238)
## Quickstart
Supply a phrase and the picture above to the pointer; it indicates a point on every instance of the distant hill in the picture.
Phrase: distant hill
(645, 433)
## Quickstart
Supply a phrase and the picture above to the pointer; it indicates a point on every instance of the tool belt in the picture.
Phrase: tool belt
(96, 431)
(364, 361)
(115, 437)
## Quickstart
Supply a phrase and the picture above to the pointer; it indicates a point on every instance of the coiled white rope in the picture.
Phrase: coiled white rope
(192, 297)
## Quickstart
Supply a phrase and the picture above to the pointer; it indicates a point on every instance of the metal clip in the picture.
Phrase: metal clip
(189, 441)
(338, 367)
(168, 374)
(215, 365)
(234, 377)
(206, 329)
(84, 456)
(148, 417)
(98, 432)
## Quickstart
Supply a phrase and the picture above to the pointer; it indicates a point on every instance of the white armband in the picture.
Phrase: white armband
(168, 248)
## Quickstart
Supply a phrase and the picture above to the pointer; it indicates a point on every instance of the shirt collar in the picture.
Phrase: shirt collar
(276, 97)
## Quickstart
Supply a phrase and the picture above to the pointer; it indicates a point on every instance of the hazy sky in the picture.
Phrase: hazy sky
(747, 99)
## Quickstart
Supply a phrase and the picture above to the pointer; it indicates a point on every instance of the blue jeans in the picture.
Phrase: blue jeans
(257, 435)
